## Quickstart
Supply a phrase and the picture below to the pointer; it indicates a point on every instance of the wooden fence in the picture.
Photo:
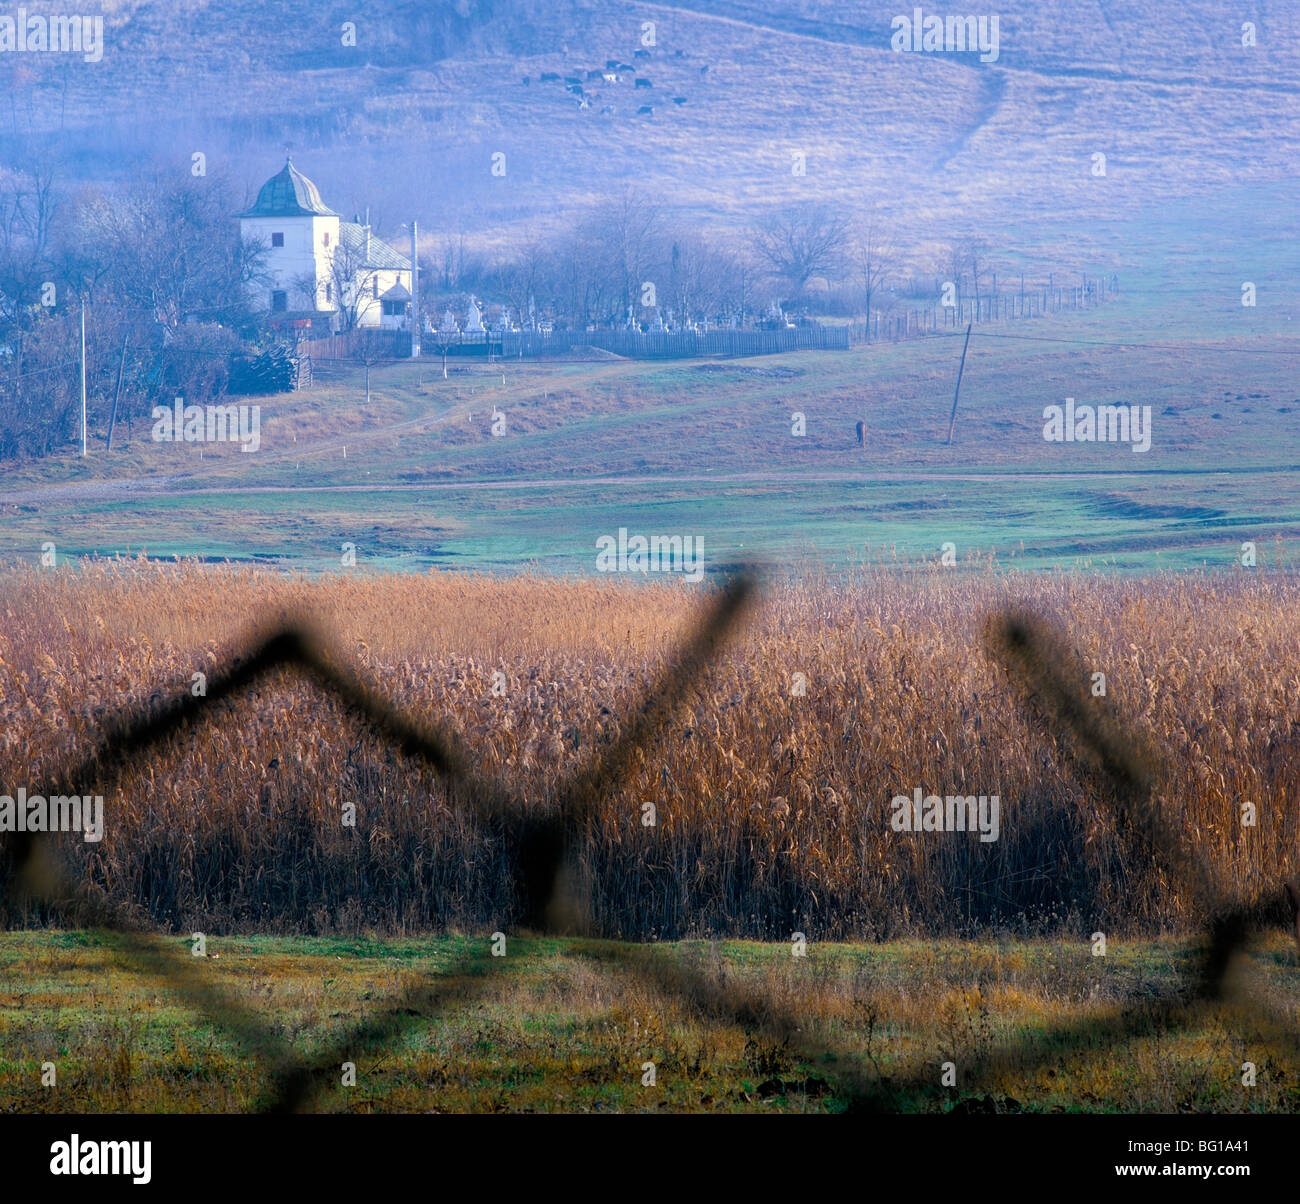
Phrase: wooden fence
(529, 344)
(358, 345)
(903, 323)
(684, 345)
(1008, 306)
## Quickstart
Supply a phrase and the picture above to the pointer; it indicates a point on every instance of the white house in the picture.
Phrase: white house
(320, 267)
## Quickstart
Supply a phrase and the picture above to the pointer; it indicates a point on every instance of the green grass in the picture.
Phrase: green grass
(566, 1025)
(706, 449)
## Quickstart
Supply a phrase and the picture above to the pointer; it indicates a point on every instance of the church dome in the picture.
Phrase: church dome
(289, 193)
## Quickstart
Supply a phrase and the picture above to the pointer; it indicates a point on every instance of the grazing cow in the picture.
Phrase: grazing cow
(576, 89)
(644, 83)
(642, 54)
(679, 100)
(594, 74)
(646, 110)
(611, 64)
(862, 433)
(610, 77)
(550, 77)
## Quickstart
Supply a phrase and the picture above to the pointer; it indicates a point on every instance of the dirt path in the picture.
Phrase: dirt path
(167, 486)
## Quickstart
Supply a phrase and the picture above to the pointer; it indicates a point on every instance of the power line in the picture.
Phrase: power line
(40, 371)
(1037, 338)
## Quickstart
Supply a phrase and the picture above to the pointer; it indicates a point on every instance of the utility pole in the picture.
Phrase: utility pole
(83, 376)
(415, 297)
(952, 422)
(117, 392)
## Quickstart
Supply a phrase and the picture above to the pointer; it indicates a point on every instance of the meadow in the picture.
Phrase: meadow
(415, 478)
(559, 1025)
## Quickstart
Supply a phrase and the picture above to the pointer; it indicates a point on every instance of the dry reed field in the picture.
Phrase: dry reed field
(771, 805)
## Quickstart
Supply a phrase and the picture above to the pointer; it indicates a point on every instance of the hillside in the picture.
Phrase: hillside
(1199, 134)
(408, 119)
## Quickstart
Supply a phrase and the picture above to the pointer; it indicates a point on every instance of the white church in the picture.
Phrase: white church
(335, 274)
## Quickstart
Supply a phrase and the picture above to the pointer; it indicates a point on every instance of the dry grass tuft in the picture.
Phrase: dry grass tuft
(772, 808)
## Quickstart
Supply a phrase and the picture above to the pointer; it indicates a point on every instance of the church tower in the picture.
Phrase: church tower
(301, 235)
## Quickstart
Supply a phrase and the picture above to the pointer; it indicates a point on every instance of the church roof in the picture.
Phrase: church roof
(289, 193)
(353, 237)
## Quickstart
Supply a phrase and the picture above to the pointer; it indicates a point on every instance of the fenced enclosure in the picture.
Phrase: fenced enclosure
(1008, 306)
(361, 345)
(686, 344)
(893, 326)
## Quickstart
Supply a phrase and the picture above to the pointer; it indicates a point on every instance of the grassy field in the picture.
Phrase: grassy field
(567, 1026)
(416, 477)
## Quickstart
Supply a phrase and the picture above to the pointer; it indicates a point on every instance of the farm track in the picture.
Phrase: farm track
(169, 485)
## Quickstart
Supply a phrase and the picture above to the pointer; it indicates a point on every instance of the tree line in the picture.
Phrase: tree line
(143, 262)
(630, 261)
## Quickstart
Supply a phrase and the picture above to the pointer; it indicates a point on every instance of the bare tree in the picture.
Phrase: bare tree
(741, 278)
(627, 234)
(872, 257)
(967, 255)
(700, 278)
(347, 285)
(525, 280)
(802, 242)
(28, 209)
(587, 290)
(977, 261)
(176, 252)
(456, 267)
